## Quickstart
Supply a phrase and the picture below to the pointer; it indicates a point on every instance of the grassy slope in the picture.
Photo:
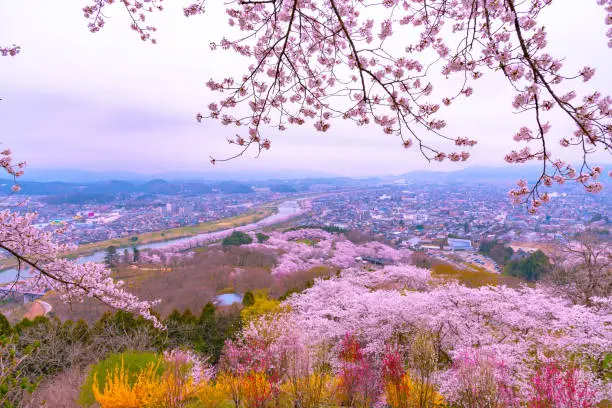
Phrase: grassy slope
(474, 276)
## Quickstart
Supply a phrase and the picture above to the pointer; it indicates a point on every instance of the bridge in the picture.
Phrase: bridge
(16, 293)
(375, 261)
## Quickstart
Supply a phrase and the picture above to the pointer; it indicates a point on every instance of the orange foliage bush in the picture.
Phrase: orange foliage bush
(257, 390)
(407, 393)
(250, 390)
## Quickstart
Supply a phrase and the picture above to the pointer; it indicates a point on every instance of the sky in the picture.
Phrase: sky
(108, 101)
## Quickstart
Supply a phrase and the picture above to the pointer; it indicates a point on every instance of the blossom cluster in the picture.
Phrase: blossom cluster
(13, 170)
(136, 9)
(10, 51)
(310, 247)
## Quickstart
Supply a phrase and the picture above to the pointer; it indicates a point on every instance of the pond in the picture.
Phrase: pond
(228, 299)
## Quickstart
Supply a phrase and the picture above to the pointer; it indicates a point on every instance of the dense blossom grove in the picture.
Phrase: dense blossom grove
(181, 250)
(507, 346)
(300, 249)
(317, 61)
(307, 248)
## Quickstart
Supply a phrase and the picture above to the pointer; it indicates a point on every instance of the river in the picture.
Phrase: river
(286, 210)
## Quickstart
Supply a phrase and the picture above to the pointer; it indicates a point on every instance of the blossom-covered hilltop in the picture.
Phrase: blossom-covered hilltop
(344, 322)
(397, 335)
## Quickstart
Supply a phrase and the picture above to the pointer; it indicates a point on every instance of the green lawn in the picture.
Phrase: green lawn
(475, 276)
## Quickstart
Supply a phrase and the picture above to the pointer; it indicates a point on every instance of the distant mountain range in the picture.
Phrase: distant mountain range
(86, 176)
(59, 192)
(102, 191)
(480, 174)
(486, 174)
(77, 183)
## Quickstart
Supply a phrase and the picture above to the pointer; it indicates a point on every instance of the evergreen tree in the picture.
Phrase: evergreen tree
(532, 268)
(5, 326)
(237, 238)
(112, 257)
(248, 299)
(261, 238)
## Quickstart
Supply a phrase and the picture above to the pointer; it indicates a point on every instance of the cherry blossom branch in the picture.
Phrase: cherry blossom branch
(10, 51)
(38, 250)
(319, 61)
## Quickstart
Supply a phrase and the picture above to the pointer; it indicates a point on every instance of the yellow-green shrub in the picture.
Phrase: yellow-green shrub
(263, 305)
(313, 391)
(121, 391)
(213, 395)
(132, 363)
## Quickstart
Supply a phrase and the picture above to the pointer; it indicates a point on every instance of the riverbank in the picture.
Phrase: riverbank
(249, 217)
(179, 232)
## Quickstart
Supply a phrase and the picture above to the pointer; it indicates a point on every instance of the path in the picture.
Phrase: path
(38, 308)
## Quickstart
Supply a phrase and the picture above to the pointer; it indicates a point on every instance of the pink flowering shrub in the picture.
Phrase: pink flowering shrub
(358, 380)
(184, 375)
(198, 369)
(479, 379)
(561, 386)
(264, 346)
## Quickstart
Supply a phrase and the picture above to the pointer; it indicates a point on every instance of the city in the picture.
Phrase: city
(407, 214)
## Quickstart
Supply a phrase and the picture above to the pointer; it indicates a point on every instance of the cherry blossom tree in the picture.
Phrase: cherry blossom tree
(582, 269)
(481, 380)
(324, 248)
(373, 63)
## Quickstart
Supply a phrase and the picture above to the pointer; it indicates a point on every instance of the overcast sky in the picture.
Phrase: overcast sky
(108, 101)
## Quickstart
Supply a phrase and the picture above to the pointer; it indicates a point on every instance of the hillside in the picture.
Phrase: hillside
(351, 317)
